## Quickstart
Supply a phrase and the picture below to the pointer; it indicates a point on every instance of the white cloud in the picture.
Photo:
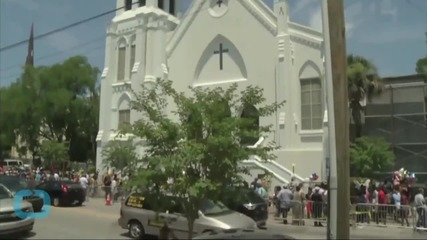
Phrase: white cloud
(62, 41)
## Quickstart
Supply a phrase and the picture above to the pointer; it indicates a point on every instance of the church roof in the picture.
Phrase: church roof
(259, 10)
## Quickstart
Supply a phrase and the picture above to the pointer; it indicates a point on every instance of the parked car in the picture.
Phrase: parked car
(9, 223)
(16, 184)
(138, 216)
(243, 234)
(63, 192)
(248, 202)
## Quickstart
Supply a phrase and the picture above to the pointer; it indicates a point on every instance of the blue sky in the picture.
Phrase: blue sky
(391, 33)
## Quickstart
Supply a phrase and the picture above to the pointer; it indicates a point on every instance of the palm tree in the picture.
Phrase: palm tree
(363, 83)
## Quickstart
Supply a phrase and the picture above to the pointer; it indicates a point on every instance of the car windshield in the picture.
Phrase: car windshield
(5, 193)
(210, 208)
(14, 184)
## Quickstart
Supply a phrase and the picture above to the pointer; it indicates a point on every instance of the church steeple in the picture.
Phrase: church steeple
(30, 55)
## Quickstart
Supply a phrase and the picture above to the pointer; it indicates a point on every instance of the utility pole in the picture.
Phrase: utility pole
(338, 118)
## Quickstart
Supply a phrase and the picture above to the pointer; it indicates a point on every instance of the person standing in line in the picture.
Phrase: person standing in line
(285, 197)
(420, 203)
(107, 186)
(317, 199)
(396, 199)
(382, 202)
(298, 206)
(404, 201)
(114, 184)
(84, 182)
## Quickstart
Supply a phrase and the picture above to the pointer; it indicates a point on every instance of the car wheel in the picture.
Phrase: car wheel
(55, 202)
(79, 203)
(136, 230)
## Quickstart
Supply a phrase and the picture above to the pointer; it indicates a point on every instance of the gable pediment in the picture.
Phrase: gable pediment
(255, 7)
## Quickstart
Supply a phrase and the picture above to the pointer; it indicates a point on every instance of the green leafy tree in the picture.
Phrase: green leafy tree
(54, 153)
(369, 155)
(363, 83)
(421, 67)
(195, 152)
(120, 155)
(57, 103)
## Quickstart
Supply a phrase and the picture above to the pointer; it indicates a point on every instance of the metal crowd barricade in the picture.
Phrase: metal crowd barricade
(420, 218)
(101, 192)
(361, 214)
(390, 215)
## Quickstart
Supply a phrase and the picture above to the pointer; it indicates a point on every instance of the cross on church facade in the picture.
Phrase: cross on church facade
(220, 52)
(219, 2)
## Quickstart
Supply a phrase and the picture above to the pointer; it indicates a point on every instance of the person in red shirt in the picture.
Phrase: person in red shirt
(382, 209)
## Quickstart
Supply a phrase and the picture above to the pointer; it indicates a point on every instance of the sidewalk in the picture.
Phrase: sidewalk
(308, 232)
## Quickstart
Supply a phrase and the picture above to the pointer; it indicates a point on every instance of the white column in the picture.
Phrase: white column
(127, 61)
(284, 87)
(150, 50)
(105, 95)
(140, 53)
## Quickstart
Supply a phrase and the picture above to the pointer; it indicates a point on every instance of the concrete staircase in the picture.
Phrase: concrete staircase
(280, 175)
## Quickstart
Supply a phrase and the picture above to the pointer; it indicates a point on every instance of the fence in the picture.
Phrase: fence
(101, 192)
(315, 213)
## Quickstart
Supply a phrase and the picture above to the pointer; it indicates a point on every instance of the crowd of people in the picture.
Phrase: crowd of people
(92, 183)
(387, 201)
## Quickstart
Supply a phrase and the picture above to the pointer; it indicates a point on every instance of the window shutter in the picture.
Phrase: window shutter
(132, 58)
(121, 64)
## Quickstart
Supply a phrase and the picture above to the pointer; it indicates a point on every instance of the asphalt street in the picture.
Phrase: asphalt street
(94, 220)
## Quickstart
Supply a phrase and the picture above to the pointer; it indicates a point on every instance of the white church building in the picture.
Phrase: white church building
(217, 43)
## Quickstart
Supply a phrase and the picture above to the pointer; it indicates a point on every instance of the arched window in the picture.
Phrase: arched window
(311, 104)
(121, 60)
(195, 125)
(124, 111)
(250, 124)
(124, 118)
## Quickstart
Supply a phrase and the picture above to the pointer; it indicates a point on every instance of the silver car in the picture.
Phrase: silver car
(138, 216)
(9, 222)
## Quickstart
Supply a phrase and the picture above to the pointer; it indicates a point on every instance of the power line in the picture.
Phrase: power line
(66, 27)
(57, 53)
(18, 74)
(61, 28)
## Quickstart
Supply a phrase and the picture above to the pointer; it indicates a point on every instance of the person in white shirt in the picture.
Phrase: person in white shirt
(84, 182)
(114, 188)
(56, 176)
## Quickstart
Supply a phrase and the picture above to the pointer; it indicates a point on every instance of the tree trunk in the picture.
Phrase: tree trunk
(190, 228)
(356, 113)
